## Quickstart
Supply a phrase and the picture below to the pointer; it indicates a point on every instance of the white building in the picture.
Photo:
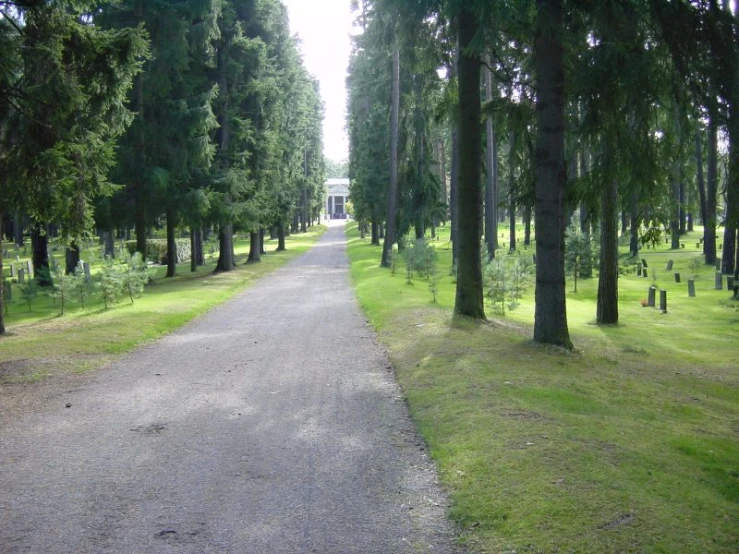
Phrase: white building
(337, 195)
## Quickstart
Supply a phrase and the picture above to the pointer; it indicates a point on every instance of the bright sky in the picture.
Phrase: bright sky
(323, 27)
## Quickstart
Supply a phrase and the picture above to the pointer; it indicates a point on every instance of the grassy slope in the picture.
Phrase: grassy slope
(630, 444)
(41, 344)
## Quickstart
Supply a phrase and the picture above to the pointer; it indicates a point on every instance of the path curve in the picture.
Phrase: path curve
(271, 425)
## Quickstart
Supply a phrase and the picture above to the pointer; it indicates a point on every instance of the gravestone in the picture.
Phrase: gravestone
(691, 288)
(697, 244)
(28, 267)
(645, 273)
(644, 262)
(651, 296)
(12, 271)
(86, 269)
(682, 245)
(638, 270)
(718, 263)
(729, 283)
(719, 281)
(669, 265)
(677, 277)
(663, 301)
(21, 276)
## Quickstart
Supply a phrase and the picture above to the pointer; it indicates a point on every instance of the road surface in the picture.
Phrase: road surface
(271, 425)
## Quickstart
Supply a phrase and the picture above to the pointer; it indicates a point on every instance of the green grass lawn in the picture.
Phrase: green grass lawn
(40, 343)
(628, 444)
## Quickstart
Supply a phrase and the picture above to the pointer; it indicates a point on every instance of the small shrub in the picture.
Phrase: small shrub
(61, 289)
(29, 292)
(135, 276)
(111, 282)
(80, 285)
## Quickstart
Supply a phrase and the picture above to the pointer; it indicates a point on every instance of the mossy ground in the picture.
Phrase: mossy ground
(628, 444)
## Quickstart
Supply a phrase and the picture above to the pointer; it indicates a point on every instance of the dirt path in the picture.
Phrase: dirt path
(272, 425)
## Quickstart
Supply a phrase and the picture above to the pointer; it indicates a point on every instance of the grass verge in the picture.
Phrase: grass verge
(630, 444)
(41, 344)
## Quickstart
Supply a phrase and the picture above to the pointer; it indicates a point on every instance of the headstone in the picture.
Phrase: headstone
(86, 269)
(21, 276)
(638, 270)
(691, 288)
(719, 281)
(644, 262)
(663, 301)
(669, 265)
(651, 296)
(729, 283)
(28, 267)
(12, 271)
(682, 245)
(677, 277)
(697, 244)
(718, 263)
(645, 272)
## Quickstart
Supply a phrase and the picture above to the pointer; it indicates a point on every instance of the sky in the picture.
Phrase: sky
(323, 27)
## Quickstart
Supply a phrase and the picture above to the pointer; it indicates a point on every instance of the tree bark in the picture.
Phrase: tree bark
(18, 229)
(281, 236)
(197, 255)
(607, 308)
(676, 208)
(550, 318)
(225, 245)
(469, 298)
(40, 255)
(2, 282)
(527, 225)
(171, 243)
(728, 256)
(255, 252)
(375, 232)
(709, 224)
(512, 189)
(387, 249)
(634, 231)
(491, 166)
(454, 175)
(71, 258)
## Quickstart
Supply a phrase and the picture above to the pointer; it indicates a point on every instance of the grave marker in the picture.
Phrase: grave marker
(719, 281)
(651, 296)
(718, 263)
(638, 270)
(12, 271)
(644, 262)
(691, 288)
(21, 276)
(645, 273)
(28, 268)
(669, 265)
(677, 277)
(663, 301)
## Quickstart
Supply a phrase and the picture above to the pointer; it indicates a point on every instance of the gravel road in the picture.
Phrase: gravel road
(271, 425)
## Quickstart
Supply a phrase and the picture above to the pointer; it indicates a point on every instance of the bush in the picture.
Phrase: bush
(111, 283)
(506, 281)
(420, 257)
(135, 276)
(156, 250)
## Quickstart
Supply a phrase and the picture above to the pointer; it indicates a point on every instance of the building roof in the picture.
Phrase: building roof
(331, 182)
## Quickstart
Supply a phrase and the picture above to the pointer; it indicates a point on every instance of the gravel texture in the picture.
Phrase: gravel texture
(271, 425)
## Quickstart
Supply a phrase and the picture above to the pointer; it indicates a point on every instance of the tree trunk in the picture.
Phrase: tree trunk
(469, 299)
(2, 282)
(454, 176)
(550, 318)
(71, 258)
(226, 261)
(262, 251)
(281, 236)
(527, 225)
(442, 176)
(607, 309)
(392, 193)
(375, 232)
(108, 244)
(676, 208)
(491, 166)
(255, 252)
(171, 243)
(40, 255)
(18, 229)
(197, 254)
(512, 189)
(709, 224)
(682, 229)
(634, 216)
(728, 256)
